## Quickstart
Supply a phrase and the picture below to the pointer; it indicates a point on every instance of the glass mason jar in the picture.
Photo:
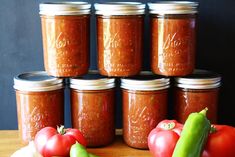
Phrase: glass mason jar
(144, 101)
(173, 37)
(120, 28)
(195, 92)
(92, 108)
(66, 38)
(40, 103)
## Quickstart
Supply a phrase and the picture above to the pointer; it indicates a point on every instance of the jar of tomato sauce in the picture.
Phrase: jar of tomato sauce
(195, 92)
(92, 108)
(144, 101)
(173, 37)
(120, 37)
(40, 103)
(66, 35)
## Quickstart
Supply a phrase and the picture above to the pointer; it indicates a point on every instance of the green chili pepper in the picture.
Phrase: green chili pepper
(194, 135)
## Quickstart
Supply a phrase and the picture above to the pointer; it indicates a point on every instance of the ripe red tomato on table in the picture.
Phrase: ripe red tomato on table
(51, 142)
(221, 142)
(163, 138)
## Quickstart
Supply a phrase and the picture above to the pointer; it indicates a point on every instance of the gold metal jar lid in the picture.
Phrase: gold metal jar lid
(120, 8)
(173, 7)
(200, 79)
(37, 81)
(92, 81)
(146, 81)
(64, 8)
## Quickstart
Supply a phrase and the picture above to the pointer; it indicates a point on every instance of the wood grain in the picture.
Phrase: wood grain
(9, 143)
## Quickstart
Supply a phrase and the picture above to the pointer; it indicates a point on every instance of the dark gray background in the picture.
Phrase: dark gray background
(21, 51)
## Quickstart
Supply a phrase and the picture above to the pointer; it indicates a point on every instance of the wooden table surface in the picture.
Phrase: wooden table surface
(9, 143)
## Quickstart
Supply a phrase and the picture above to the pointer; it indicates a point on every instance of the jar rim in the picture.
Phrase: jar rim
(146, 81)
(37, 81)
(92, 81)
(64, 8)
(199, 79)
(173, 7)
(119, 8)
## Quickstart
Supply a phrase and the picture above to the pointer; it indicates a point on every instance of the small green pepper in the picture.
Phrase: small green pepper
(194, 135)
(78, 150)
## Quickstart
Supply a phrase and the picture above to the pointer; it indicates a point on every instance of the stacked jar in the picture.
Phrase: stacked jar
(144, 105)
(92, 108)
(66, 45)
(173, 47)
(173, 37)
(66, 38)
(120, 27)
(195, 92)
(40, 103)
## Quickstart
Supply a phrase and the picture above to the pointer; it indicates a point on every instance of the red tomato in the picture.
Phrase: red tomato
(220, 143)
(51, 142)
(77, 135)
(163, 138)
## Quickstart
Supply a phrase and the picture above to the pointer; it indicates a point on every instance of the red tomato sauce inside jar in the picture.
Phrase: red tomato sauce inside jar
(195, 92)
(173, 37)
(144, 106)
(120, 38)
(40, 103)
(66, 36)
(93, 108)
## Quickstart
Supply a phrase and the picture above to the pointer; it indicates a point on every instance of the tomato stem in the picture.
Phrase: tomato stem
(61, 130)
(213, 129)
(168, 126)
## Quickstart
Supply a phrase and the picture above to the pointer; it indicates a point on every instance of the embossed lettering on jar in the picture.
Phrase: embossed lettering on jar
(119, 38)
(40, 103)
(173, 37)
(195, 92)
(144, 101)
(92, 106)
(65, 32)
